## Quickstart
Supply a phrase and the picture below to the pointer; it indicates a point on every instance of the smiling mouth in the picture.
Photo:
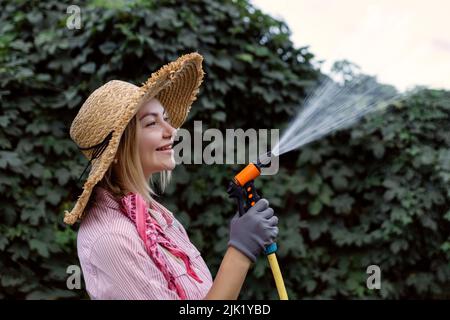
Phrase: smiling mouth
(165, 148)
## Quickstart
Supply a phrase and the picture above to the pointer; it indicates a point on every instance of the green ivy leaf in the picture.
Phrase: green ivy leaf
(88, 68)
(246, 57)
(219, 116)
(40, 247)
(343, 203)
(315, 207)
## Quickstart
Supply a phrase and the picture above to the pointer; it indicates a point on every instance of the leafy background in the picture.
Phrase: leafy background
(374, 194)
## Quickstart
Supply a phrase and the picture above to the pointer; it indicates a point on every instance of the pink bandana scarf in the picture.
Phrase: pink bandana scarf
(135, 208)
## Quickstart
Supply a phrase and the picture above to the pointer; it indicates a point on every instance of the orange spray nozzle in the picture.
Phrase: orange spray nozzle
(242, 187)
(250, 172)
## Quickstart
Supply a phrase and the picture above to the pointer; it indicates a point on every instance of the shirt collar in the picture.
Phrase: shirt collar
(106, 198)
(162, 214)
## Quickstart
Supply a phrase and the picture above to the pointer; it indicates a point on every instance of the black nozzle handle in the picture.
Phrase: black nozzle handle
(251, 195)
(236, 191)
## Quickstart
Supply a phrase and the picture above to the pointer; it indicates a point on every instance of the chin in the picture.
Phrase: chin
(169, 166)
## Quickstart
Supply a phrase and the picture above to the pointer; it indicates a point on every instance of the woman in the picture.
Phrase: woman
(129, 245)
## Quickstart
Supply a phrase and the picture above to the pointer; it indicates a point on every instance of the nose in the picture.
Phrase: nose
(169, 131)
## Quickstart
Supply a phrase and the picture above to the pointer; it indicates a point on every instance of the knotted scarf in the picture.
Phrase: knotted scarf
(135, 207)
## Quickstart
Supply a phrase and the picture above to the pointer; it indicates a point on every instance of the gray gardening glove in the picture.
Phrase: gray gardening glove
(255, 230)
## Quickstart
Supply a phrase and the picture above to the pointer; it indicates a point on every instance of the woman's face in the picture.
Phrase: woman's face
(155, 137)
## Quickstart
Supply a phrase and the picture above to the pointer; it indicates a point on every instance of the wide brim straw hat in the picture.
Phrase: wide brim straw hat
(103, 117)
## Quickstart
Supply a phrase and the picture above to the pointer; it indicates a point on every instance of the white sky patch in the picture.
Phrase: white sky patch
(404, 43)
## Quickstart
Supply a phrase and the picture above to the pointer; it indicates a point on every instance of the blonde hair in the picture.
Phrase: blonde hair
(127, 174)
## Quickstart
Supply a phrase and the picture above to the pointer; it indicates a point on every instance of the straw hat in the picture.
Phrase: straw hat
(103, 117)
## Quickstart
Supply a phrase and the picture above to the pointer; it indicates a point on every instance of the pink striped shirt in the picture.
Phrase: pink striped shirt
(116, 265)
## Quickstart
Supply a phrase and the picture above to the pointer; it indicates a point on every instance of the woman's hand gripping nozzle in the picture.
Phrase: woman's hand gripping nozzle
(263, 222)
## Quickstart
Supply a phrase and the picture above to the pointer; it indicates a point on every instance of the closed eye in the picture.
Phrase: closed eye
(150, 124)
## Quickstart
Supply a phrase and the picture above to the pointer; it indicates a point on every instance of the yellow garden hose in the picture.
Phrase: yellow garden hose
(273, 262)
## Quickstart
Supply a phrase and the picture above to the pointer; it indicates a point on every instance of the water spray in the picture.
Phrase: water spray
(329, 109)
